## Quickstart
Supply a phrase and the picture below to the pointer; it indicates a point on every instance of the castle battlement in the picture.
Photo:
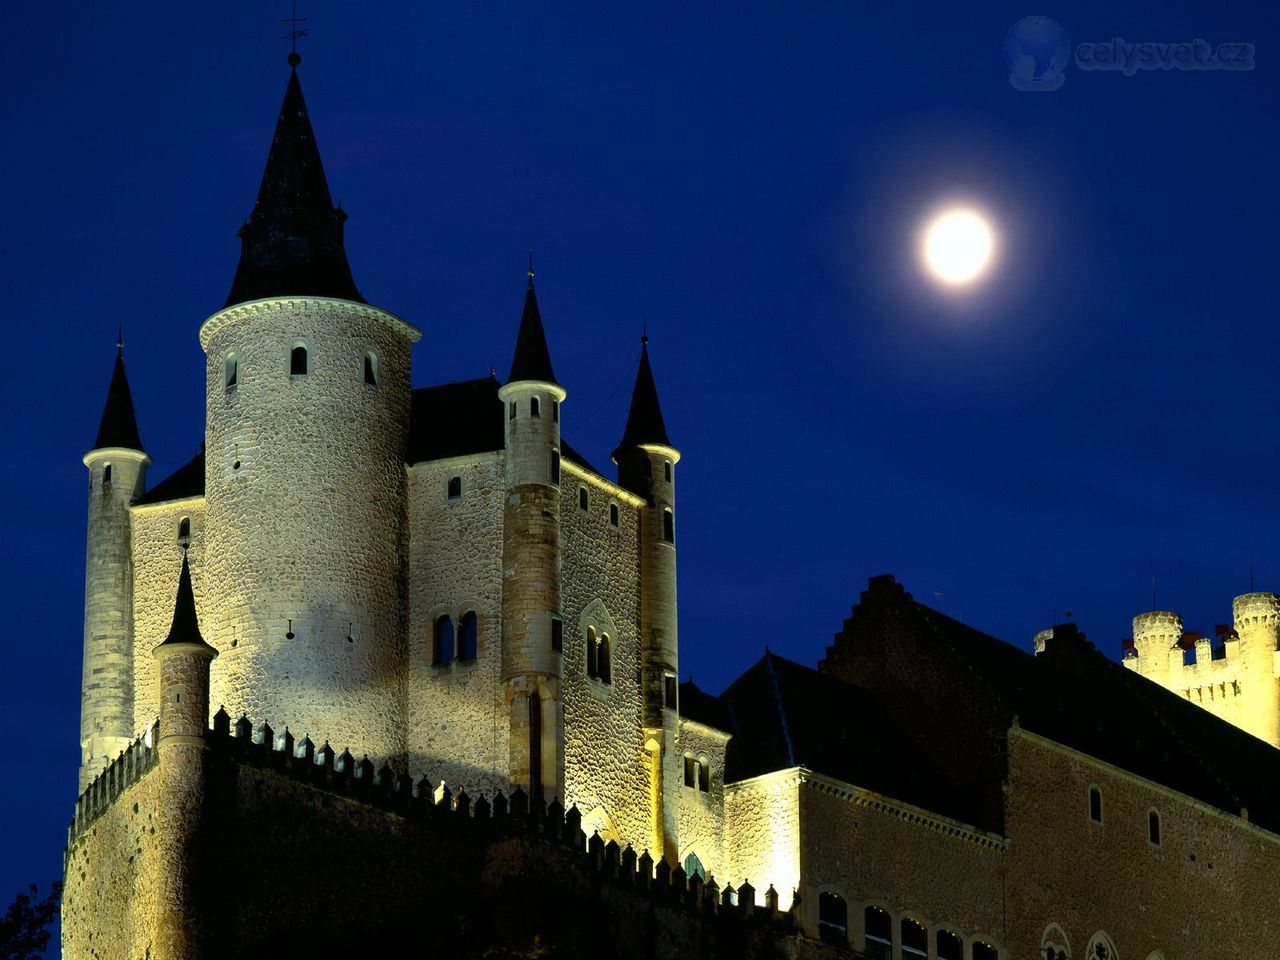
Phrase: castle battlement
(132, 764)
(1256, 610)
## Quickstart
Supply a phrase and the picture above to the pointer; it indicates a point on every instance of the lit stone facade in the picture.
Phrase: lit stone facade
(434, 581)
(1235, 675)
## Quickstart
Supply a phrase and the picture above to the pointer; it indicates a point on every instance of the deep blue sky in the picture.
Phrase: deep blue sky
(749, 180)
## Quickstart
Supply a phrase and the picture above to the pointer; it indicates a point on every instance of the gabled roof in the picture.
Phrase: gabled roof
(186, 481)
(532, 360)
(644, 419)
(292, 243)
(119, 424)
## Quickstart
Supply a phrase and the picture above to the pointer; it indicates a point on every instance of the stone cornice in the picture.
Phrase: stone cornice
(583, 473)
(197, 500)
(258, 308)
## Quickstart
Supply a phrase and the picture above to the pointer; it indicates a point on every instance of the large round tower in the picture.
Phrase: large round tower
(532, 628)
(306, 426)
(117, 476)
(1257, 623)
(647, 467)
(1156, 638)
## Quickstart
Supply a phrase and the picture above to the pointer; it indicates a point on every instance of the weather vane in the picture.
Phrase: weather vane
(293, 35)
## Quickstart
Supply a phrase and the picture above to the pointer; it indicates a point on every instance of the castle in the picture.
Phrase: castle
(415, 667)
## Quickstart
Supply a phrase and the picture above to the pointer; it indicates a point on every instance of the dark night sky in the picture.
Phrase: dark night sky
(747, 178)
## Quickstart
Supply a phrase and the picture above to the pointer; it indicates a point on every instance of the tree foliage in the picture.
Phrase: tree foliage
(24, 928)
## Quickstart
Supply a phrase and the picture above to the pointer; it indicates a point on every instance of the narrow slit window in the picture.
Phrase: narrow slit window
(555, 410)
(298, 361)
(704, 775)
(555, 467)
(106, 474)
(666, 470)
(669, 690)
(442, 647)
(557, 634)
(690, 771)
(511, 410)
(455, 488)
(231, 371)
(467, 636)
(1095, 805)
(613, 514)
(605, 669)
(668, 526)
(593, 654)
(534, 409)
(583, 500)
(1153, 828)
(184, 531)
(371, 368)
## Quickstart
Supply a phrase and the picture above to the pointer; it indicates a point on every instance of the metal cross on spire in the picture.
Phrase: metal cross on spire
(294, 33)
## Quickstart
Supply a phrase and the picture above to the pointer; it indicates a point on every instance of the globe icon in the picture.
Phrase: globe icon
(1037, 51)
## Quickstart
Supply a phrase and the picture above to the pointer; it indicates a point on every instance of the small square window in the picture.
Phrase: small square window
(455, 488)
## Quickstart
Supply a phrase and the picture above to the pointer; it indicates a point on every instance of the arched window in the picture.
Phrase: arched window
(613, 514)
(668, 526)
(604, 664)
(184, 531)
(555, 467)
(693, 867)
(106, 474)
(557, 634)
(833, 919)
(455, 488)
(1101, 948)
(950, 946)
(1153, 827)
(1053, 944)
(467, 636)
(231, 371)
(1095, 805)
(915, 939)
(371, 368)
(985, 951)
(704, 775)
(583, 500)
(442, 641)
(534, 409)
(593, 653)
(298, 360)
(878, 933)
(666, 470)
(690, 771)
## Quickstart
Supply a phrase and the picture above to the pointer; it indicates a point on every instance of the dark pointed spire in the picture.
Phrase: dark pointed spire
(186, 625)
(119, 426)
(532, 360)
(292, 243)
(644, 420)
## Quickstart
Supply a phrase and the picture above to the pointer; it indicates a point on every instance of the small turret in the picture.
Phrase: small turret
(532, 628)
(1156, 639)
(117, 476)
(646, 466)
(184, 717)
(1257, 623)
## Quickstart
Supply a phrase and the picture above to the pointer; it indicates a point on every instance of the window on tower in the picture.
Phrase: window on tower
(583, 500)
(668, 526)
(467, 636)
(106, 474)
(1153, 828)
(455, 488)
(1095, 805)
(666, 470)
(557, 634)
(298, 360)
(555, 410)
(371, 368)
(555, 467)
(534, 410)
(511, 410)
(442, 647)
(613, 514)
(231, 371)
(184, 531)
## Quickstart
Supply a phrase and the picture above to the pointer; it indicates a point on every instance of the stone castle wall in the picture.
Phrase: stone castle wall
(157, 559)
(305, 494)
(701, 815)
(606, 765)
(457, 722)
(762, 824)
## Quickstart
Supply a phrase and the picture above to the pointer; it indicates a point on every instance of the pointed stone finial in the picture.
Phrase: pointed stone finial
(531, 266)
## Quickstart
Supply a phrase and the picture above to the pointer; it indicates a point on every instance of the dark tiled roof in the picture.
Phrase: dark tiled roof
(784, 715)
(644, 419)
(186, 625)
(186, 481)
(292, 243)
(119, 425)
(456, 419)
(532, 360)
(701, 707)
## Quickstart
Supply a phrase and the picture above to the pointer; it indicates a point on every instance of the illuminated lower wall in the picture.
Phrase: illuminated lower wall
(762, 819)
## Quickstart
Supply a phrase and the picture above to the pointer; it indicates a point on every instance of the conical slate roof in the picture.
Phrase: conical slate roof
(644, 420)
(119, 426)
(186, 625)
(292, 243)
(532, 360)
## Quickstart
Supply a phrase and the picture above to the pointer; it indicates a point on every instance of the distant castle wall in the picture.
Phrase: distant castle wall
(157, 558)
(606, 764)
(457, 724)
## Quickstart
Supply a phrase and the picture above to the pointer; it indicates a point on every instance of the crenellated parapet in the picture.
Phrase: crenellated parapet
(1254, 610)
(130, 766)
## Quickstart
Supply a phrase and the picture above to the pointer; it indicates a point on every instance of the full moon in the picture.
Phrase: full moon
(957, 247)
